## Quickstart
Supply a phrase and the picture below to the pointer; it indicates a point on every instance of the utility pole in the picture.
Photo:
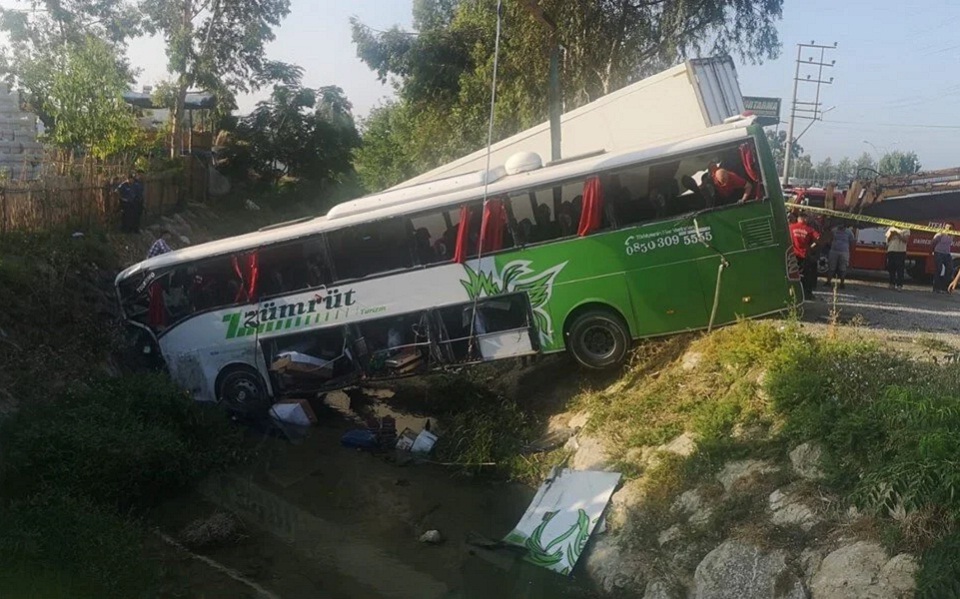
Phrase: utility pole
(806, 110)
(555, 100)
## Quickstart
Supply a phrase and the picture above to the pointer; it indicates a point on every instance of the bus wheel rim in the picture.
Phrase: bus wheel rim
(242, 390)
(599, 341)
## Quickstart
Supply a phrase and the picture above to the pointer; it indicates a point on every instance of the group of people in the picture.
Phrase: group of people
(837, 242)
(809, 244)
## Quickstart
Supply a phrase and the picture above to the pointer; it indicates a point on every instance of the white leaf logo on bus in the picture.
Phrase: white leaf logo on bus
(515, 277)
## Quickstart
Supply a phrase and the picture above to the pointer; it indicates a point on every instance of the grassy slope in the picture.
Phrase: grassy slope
(889, 425)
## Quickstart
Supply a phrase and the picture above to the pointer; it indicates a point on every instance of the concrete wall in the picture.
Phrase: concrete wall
(20, 153)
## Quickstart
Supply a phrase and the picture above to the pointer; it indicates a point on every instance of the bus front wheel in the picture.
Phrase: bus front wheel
(598, 339)
(241, 390)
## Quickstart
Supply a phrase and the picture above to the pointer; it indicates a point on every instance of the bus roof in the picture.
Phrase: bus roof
(437, 194)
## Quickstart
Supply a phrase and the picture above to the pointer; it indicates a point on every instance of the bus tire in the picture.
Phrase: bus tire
(241, 390)
(598, 339)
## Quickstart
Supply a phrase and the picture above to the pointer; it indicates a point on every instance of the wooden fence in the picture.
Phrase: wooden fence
(91, 200)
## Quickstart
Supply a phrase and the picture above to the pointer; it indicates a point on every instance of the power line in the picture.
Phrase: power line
(905, 125)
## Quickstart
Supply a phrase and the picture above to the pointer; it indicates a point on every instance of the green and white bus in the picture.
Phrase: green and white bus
(584, 255)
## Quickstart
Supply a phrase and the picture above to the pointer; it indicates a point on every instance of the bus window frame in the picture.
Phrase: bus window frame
(404, 220)
(328, 263)
(692, 213)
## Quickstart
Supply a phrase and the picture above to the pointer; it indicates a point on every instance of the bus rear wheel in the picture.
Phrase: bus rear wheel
(598, 339)
(241, 390)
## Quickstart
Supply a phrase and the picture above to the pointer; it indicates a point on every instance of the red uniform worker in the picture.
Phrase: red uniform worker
(805, 239)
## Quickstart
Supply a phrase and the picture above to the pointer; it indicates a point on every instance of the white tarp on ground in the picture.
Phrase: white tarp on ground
(564, 513)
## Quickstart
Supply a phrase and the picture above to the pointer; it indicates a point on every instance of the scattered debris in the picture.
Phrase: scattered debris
(406, 440)
(251, 205)
(424, 442)
(359, 438)
(293, 411)
(562, 517)
(550, 441)
(432, 537)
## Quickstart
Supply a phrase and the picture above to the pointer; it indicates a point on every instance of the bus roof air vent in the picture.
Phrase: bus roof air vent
(523, 162)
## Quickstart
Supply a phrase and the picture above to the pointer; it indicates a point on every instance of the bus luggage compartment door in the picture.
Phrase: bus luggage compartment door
(488, 329)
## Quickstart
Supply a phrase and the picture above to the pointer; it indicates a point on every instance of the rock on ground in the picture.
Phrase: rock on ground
(612, 568)
(683, 446)
(739, 570)
(661, 590)
(734, 472)
(789, 510)
(591, 453)
(864, 570)
(691, 502)
(806, 459)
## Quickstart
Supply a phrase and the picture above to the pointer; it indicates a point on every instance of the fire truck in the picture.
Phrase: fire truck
(929, 198)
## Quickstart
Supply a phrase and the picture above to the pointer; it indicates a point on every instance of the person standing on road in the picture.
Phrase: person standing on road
(839, 257)
(896, 255)
(942, 260)
(804, 243)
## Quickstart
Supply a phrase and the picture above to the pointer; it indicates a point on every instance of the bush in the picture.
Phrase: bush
(125, 443)
(889, 424)
(73, 546)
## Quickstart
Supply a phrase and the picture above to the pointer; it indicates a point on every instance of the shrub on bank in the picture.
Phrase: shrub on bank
(76, 471)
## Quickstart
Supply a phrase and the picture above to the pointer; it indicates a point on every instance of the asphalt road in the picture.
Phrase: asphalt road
(868, 302)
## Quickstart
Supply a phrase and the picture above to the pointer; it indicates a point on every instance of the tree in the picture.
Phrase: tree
(383, 159)
(824, 170)
(442, 71)
(39, 36)
(899, 163)
(217, 45)
(864, 166)
(300, 132)
(845, 171)
(778, 146)
(85, 100)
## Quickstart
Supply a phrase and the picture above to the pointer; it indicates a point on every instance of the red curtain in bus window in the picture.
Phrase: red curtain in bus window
(463, 236)
(750, 165)
(493, 225)
(592, 217)
(247, 268)
(157, 312)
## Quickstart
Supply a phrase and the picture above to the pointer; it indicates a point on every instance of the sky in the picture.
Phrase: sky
(895, 83)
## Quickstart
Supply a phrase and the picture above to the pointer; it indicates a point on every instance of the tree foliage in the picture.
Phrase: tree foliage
(899, 163)
(40, 35)
(216, 45)
(84, 99)
(778, 146)
(300, 132)
(442, 70)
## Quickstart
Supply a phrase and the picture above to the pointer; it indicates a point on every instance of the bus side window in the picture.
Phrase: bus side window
(371, 248)
(434, 236)
(549, 213)
(292, 267)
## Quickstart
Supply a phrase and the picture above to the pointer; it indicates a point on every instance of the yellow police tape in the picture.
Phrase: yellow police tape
(870, 219)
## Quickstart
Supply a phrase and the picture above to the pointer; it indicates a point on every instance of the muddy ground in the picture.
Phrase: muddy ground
(330, 522)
